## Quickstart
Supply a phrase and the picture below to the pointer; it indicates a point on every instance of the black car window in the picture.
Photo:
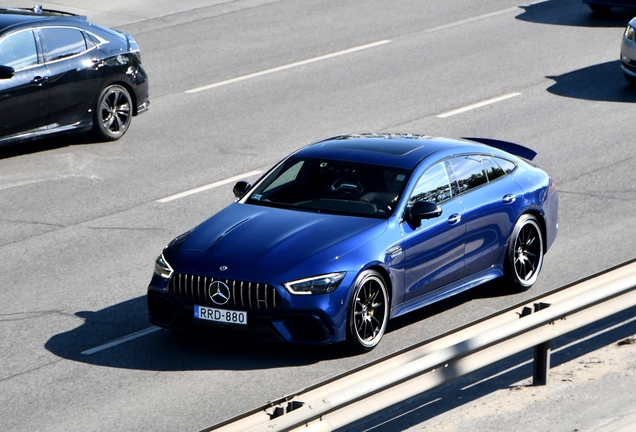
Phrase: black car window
(62, 42)
(18, 50)
(505, 165)
(433, 186)
(469, 172)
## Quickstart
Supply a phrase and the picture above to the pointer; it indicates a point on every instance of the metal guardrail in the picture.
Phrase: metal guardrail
(362, 392)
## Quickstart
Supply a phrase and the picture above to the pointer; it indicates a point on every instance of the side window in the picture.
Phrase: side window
(433, 186)
(18, 50)
(493, 170)
(62, 42)
(469, 172)
(505, 165)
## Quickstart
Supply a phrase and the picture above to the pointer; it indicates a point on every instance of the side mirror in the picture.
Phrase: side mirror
(6, 72)
(423, 210)
(240, 188)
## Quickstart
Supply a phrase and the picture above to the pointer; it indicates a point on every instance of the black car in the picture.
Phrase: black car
(61, 73)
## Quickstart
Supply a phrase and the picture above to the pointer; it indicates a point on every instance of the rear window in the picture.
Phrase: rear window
(62, 42)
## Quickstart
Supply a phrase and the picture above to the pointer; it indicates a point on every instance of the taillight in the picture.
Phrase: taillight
(552, 186)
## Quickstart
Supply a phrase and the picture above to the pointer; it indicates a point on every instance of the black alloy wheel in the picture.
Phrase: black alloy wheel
(525, 254)
(369, 312)
(113, 113)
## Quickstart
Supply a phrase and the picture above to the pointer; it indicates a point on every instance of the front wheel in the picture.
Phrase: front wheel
(524, 257)
(113, 113)
(369, 312)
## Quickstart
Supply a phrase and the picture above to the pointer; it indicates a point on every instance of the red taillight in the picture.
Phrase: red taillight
(552, 186)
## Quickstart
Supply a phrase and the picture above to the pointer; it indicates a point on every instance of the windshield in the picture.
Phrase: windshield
(331, 186)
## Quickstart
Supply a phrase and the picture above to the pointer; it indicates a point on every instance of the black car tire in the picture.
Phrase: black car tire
(524, 256)
(368, 312)
(630, 79)
(113, 113)
(601, 9)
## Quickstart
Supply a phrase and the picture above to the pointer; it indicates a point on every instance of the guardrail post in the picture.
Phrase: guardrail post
(541, 365)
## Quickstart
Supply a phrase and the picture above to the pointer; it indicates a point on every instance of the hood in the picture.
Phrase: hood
(276, 239)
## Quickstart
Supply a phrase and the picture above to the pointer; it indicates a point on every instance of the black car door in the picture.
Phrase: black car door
(74, 75)
(24, 96)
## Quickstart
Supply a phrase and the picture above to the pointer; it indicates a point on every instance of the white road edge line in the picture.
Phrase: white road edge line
(477, 105)
(209, 186)
(121, 340)
(288, 66)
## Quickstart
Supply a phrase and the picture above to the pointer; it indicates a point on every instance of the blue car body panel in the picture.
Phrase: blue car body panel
(253, 241)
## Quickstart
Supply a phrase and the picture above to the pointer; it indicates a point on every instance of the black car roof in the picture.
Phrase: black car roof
(12, 16)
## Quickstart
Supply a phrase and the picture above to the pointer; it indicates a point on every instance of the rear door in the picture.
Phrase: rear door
(24, 97)
(75, 74)
(492, 201)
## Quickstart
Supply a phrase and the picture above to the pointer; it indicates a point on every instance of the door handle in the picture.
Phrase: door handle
(38, 80)
(509, 198)
(454, 218)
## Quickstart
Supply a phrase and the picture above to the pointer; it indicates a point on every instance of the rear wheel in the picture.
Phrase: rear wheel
(113, 113)
(630, 79)
(524, 257)
(369, 312)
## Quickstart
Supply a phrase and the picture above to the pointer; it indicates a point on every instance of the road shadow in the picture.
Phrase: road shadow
(574, 13)
(167, 350)
(505, 374)
(602, 82)
(41, 145)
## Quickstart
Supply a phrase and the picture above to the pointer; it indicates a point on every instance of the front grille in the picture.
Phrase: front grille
(243, 294)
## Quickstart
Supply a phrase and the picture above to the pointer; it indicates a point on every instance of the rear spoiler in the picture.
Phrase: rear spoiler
(506, 146)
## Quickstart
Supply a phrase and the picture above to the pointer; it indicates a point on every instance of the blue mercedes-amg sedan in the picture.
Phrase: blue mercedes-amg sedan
(354, 230)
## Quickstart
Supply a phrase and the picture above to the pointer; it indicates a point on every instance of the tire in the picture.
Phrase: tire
(630, 79)
(600, 9)
(524, 256)
(368, 312)
(113, 113)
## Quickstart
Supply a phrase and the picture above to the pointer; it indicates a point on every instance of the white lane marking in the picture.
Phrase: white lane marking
(469, 20)
(477, 105)
(121, 340)
(209, 186)
(288, 66)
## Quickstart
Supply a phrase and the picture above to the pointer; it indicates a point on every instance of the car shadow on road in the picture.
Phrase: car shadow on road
(41, 145)
(574, 13)
(601, 82)
(167, 350)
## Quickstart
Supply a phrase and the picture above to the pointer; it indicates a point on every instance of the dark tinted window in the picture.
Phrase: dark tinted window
(433, 186)
(18, 50)
(505, 165)
(469, 172)
(493, 170)
(62, 42)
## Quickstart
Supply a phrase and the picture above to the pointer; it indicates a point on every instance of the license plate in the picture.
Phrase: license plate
(220, 315)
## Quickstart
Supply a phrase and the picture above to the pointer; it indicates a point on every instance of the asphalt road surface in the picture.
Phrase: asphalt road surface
(234, 87)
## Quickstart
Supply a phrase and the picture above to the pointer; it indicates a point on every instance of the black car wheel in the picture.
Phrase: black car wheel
(630, 79)
(113, 113)
(601, 9)
(525, 254)
(369, 312)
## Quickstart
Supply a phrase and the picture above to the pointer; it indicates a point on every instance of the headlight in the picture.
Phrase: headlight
(316, 285)
(629, 32)
(162, 268)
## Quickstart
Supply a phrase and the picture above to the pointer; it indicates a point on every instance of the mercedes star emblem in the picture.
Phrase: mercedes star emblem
(219, 293)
